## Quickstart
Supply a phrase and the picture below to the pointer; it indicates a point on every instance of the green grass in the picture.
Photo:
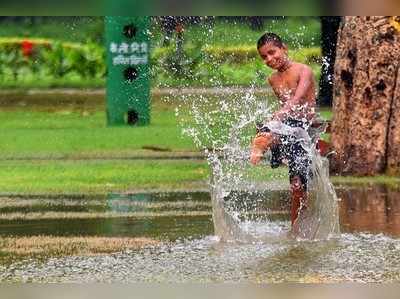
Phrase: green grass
(32, 82)
(75, 133)
(49, 130)
(46, 129)
(100, 176)
(96, 159)
(326, 113)
(389, 181)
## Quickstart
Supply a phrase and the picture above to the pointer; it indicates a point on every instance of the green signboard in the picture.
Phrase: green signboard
(128, 75)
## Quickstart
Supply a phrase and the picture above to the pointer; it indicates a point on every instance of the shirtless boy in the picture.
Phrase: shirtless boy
(293, 84)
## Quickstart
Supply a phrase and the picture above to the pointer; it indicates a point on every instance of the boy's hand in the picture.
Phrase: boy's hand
(281, 114)
(260, 144)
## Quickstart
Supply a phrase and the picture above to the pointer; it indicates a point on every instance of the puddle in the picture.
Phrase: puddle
(165, 216)
(358, 257)
(367, 250)
(181, 215)
(371, 209)
(164, 228)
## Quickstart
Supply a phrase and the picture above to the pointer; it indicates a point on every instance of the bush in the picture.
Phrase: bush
(35, 59)
(47, 63)
(219, 65)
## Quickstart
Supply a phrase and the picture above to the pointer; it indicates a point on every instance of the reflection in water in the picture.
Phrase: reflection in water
(164, 228)
(124, 219)
(374, 209)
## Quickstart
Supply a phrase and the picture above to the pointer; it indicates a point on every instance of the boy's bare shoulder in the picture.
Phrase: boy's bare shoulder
(303, 69)
(271, 79)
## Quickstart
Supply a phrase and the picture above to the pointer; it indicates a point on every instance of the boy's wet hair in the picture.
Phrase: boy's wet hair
(270, 37)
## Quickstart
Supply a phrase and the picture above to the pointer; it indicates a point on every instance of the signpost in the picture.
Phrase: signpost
(128, 78)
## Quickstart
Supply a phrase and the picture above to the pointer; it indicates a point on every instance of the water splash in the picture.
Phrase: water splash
(223, 127)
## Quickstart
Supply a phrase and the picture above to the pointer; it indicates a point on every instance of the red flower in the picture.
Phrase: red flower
(179, 28)
(27, 48)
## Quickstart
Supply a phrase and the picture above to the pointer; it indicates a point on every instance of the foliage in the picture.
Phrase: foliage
(77, 29)
(49, 59)
(296, 32)
(214, 54)
(216, 65)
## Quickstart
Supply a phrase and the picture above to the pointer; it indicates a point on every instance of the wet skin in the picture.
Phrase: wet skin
(294, 85)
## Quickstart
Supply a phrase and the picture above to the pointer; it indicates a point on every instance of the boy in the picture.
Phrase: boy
(293, 84)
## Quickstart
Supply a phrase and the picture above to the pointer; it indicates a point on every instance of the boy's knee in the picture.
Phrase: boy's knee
(262, 141)
(296, 183)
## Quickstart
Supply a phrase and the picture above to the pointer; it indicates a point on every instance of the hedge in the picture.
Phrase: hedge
(32, 60)
(22, 59)
(239, 54)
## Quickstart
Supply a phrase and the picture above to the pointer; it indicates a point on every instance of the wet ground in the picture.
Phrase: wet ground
(166, 216)
(367, 249)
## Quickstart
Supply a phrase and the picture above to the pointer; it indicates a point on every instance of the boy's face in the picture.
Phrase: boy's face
(273, 56)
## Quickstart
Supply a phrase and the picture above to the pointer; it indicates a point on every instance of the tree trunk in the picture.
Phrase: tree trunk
(366, 122)
(256, 23)
(329, 30)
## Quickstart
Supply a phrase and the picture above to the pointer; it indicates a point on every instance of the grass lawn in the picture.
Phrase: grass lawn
(68, 148)
(70, 132)
(52, 149)
(389, 181)
(100, 176)
(49, 130)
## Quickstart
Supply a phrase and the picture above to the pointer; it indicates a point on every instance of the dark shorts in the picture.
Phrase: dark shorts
(291, 150)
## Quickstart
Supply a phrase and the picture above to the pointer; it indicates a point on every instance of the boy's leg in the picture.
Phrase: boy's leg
(299, 173)
(298, 198)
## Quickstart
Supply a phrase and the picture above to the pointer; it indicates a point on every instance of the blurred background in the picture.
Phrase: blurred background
(46, 52)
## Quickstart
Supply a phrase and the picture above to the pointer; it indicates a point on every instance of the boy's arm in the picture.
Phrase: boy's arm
(306, 79)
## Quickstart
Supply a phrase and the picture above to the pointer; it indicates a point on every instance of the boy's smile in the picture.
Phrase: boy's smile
(273, 56)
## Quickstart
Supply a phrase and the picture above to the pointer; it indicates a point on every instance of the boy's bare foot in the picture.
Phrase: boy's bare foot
(299, 198)
(261, 143)
(298, 209)
(303, 226)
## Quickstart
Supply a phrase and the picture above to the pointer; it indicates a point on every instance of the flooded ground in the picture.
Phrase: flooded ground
(367, 250)
(166, 216)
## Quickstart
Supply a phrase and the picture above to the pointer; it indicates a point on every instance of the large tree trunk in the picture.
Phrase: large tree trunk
(366, 123)
(329, 30)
